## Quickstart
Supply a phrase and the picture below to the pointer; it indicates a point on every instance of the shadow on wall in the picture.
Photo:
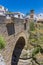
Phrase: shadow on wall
(17, 51)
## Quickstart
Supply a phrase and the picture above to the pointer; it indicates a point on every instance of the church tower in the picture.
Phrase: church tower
(31, 14)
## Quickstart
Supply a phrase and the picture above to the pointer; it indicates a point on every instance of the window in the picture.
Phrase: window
(19, 16)
(10, 28)
(24, 26)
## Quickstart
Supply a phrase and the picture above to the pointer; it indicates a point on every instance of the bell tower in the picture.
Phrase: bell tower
(31, 14)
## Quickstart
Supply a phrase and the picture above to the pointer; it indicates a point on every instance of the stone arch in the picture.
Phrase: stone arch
(17, 50)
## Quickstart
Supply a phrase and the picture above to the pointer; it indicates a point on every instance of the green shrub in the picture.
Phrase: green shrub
(32, 26)
(41, 50)
(2, 42)
(33, 40)
(35, 51)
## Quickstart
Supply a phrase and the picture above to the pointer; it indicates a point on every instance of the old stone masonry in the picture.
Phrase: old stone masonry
(14, 31)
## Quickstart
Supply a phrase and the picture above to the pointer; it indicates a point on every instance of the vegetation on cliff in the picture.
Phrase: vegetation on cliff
(2, 42)
(36, 40)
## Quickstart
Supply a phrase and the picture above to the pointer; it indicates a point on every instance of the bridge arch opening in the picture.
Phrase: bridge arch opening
(17, 50)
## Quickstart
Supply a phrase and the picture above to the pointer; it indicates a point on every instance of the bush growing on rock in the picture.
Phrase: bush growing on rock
(2, 42)
(32, 26)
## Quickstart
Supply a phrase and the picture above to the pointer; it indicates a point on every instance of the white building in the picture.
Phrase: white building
(40, 16)
(15, 15)
(3, 10)
(19, 15)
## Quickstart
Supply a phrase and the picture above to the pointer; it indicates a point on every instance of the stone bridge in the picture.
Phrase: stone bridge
(14, 40)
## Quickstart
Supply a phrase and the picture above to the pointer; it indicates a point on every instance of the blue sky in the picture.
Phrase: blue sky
(23, 6)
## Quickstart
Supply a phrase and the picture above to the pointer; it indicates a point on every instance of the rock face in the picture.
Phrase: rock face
(25, 58)
(26, 53)
(2, 60)
(25, 62)
(40, 58)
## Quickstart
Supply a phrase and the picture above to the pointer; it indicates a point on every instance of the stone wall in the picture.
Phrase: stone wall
(19, 26)
(11, 39)
(7, 24)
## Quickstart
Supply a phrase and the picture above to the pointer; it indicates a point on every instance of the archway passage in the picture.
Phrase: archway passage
(17, 51)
